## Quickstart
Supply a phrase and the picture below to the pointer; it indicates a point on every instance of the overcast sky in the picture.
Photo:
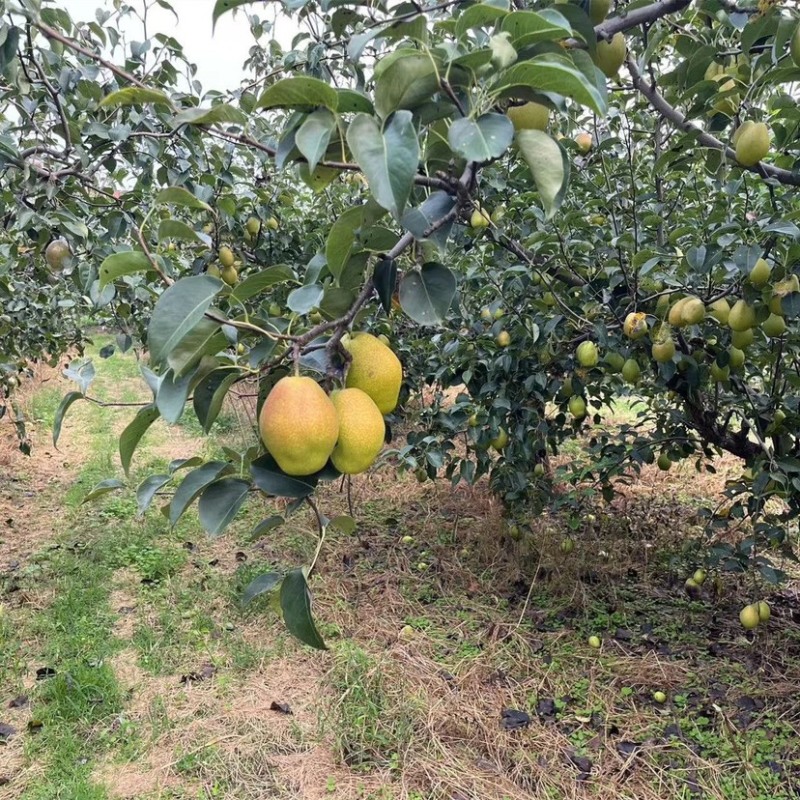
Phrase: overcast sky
(219, 56)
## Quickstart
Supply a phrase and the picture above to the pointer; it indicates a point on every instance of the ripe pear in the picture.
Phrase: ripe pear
(749, 617)
(742, 339)
(720, 309)
(479, 218)
(741, 317)
(692, 588)
(272, 224)
(587, 354)
(735, 357)
(584, 142)
(56, 254)
(752, 144)
(659, 697)
(567, 546)
(675, 316)
(610, 55)
(229, 275)
(763, 611)
(299, 425)
(774, 326)
(226, 257)
(635, 325)
(375, 369)
(759, 275)
(361, 431)
(781, 290)
(598, 10)
(213, 270)
(253, 226)
(594, 641)
(577, 406)
(699, 577)
(663, 350)
(503, 339)
(693, 311)
(531, 116)
(726, 105)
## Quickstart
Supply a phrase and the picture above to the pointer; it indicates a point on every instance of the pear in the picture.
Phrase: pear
(374, 369)
(610, 55)
(720, 309)
(749, 617)
(741, 317)
(759, 274)
(530, 116)
(361, 431)
(752, 144)
(299, 425)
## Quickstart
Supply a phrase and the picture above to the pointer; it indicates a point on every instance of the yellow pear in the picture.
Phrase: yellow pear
(742, 339)
(635, 325)
(663, 350)
(499, 441)
(610, 55)
(361, 431)
(584, 142)
(226, 256)
(675, 316)
(720, 309)
(752, 144)
(749, 617)
(531, 116)
(774, 326)
(781, 290)
(479, 218)
(299, 425)
(56, 254)
(374, 369)
(742, 317)
(693, 311)
(229, 275)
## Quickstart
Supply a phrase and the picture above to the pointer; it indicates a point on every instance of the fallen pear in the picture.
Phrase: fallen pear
(749, 616)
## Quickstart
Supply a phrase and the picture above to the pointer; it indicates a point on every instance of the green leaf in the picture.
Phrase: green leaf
(407, 82)
(104, 487)
(341, 239)
(134, 95)
(221, 6)
(175, 229)
(388, 159)
(302, 93)
(209, 116)
(172, 395)
(192, 485)
(319, 178)
(478, 16)
(313, 136)
(258, 282)
(557, 73)
(65, 403)
(549, 166)
(483, 139)
(220, 502)
(178, 196)
(267, 582)
(209, 395)
(271, 480)
(177, 311)
(385, 280)
(426, 295)
(419, 220)
(528, 27)
(147, 490)
(265, 526)
(130, 437)
(305, 298)
(352, 102)
(120, 264)
(296, 605)
(336, 302)
(205, 339)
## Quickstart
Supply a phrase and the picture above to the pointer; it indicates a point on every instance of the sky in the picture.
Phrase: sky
(219, 56)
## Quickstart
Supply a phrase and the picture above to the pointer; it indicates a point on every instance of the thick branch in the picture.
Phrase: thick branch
(674, 116)
(639, 16)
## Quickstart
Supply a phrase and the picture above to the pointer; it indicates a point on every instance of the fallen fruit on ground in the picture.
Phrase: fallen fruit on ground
(699, 577)
(749, 616)
(567, 546)
(659, 697)
(361, 431)
(594, 641)
(692, 588)
(374, 369)
(299, 425)
(763, 611)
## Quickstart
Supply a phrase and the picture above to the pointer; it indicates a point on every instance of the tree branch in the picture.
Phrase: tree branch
(674, 116)
(639, 16)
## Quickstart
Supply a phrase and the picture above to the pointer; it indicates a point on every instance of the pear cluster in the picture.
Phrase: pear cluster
(303, 428)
